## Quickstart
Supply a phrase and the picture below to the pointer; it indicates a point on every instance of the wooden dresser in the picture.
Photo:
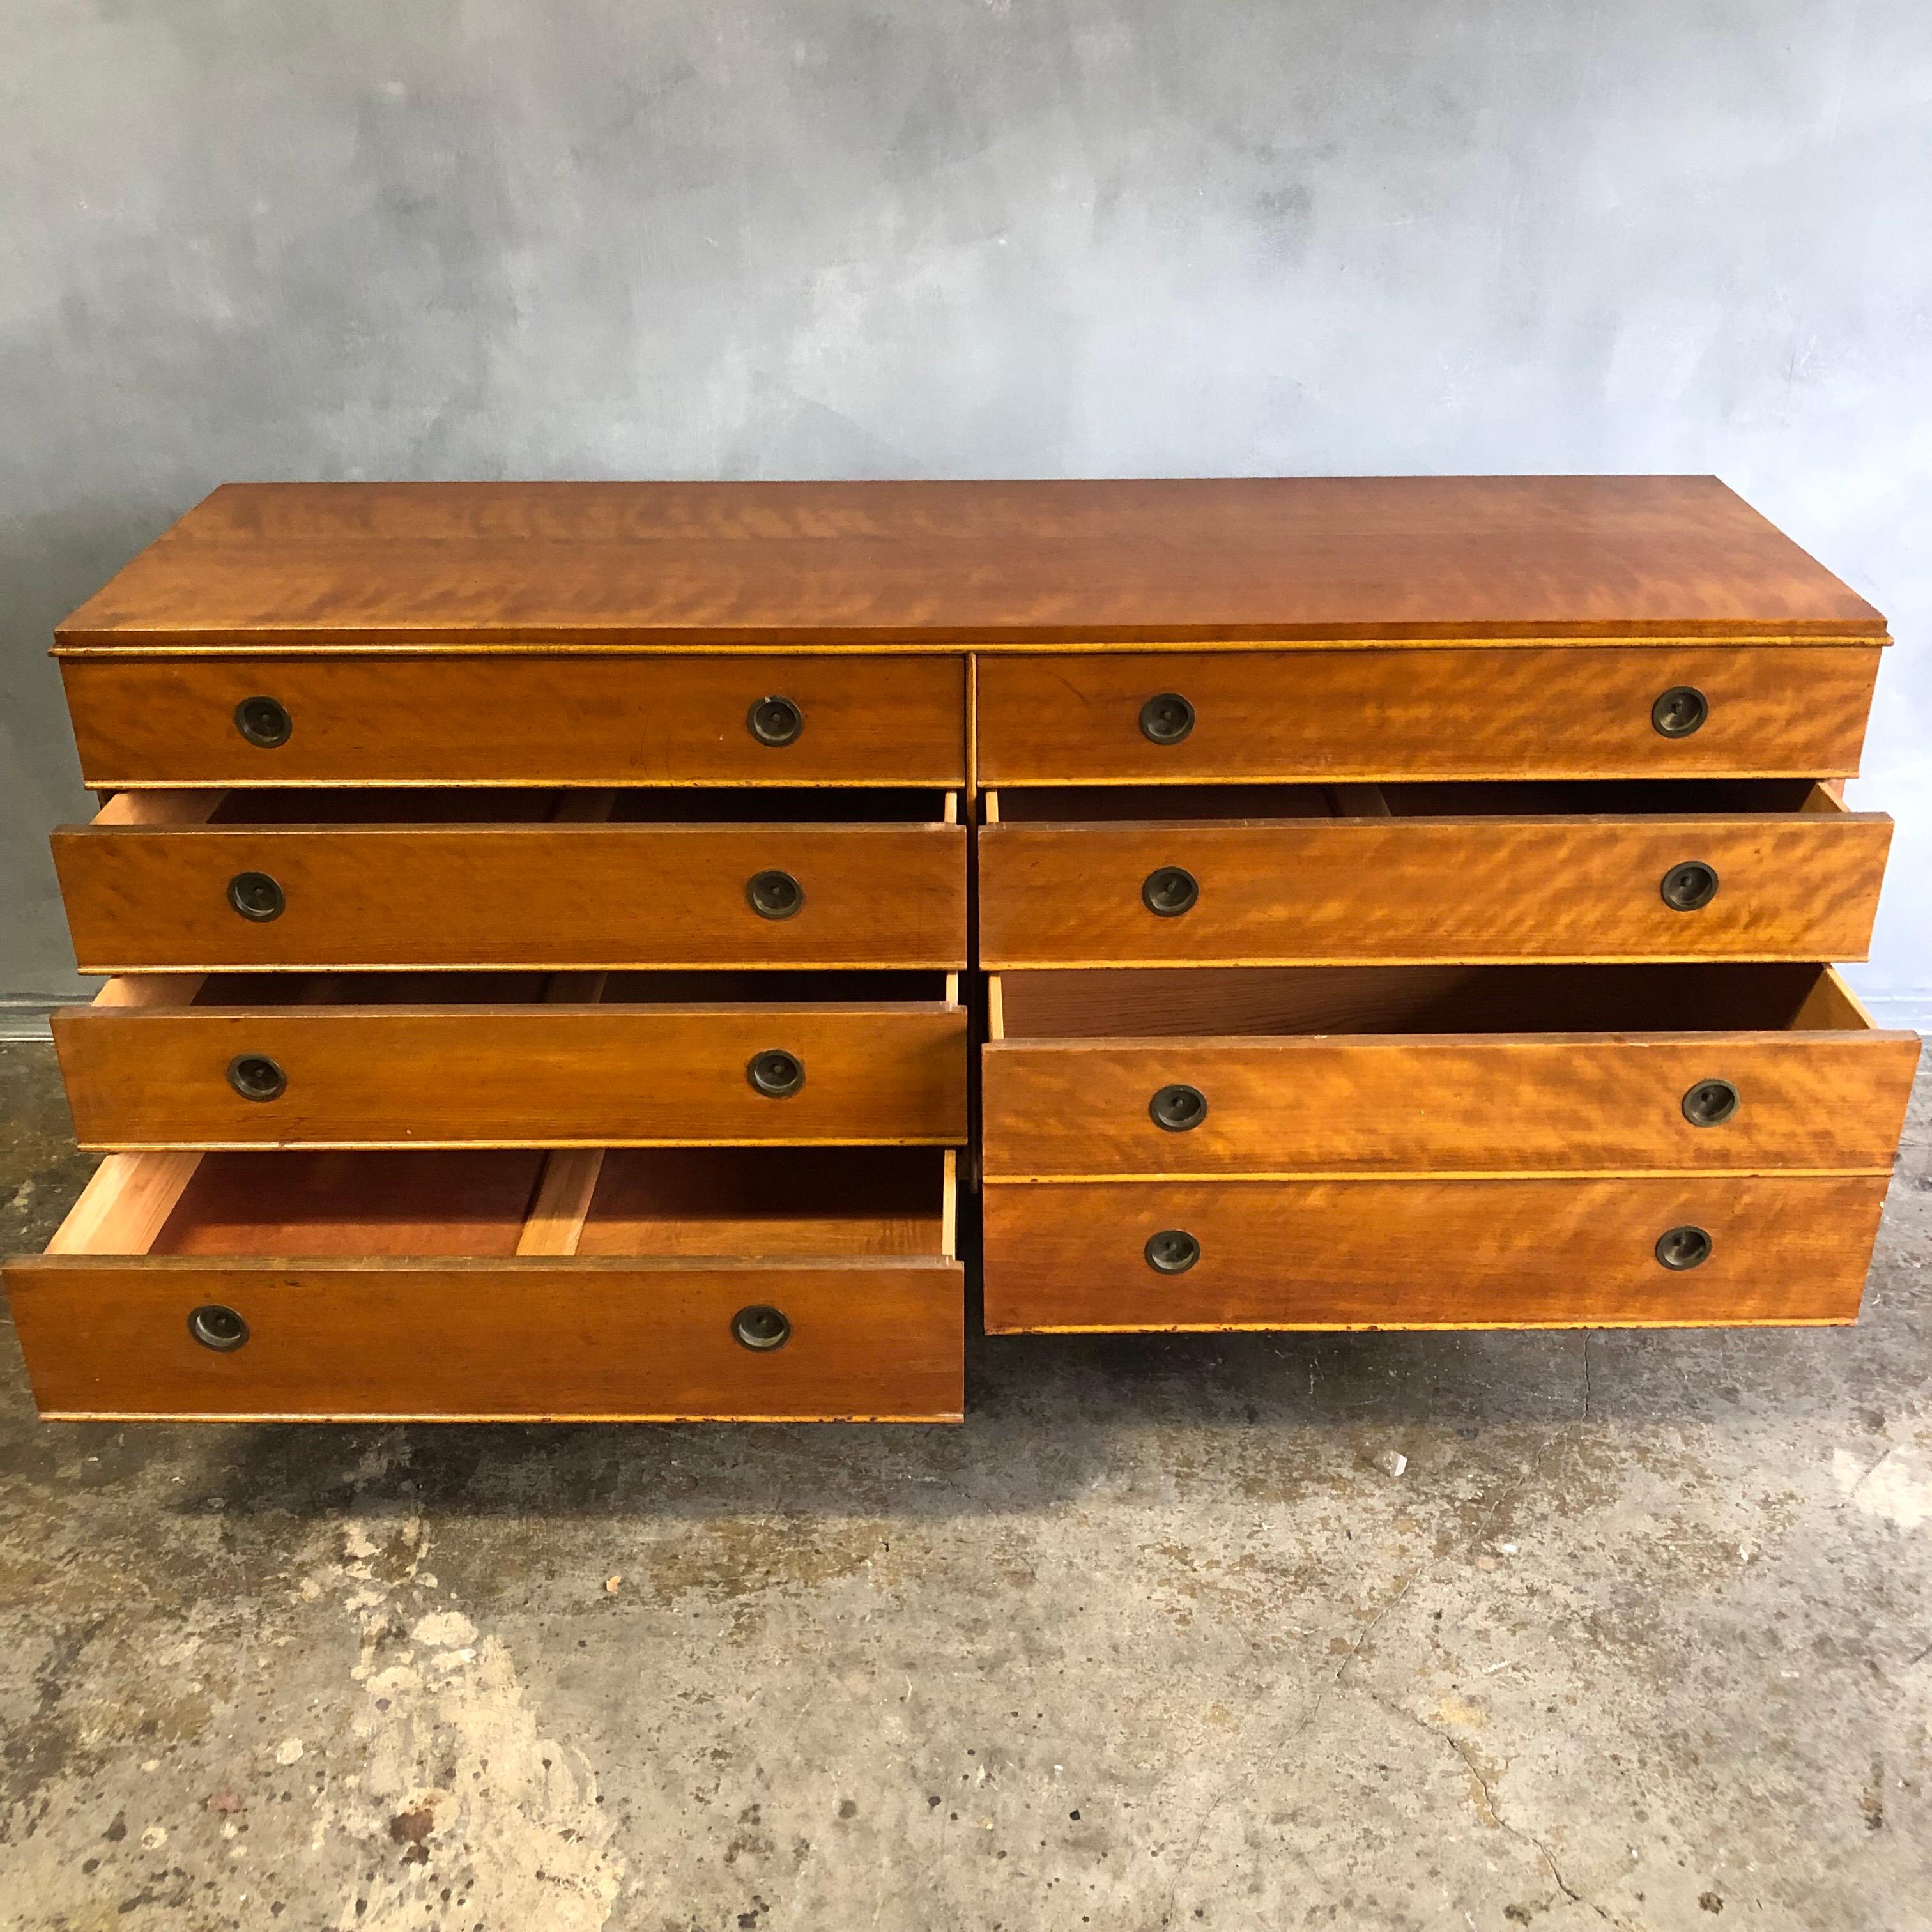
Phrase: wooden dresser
(535, 918)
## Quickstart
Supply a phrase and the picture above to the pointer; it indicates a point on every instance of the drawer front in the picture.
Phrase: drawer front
(1343, 892)
(515, 1076)
(1448, 712)
(1426, 1254)
(523, 1341)
(1505, 1104)
(503, 719)
(523, 895)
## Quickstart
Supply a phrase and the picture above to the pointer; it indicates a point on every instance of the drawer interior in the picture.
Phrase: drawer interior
(1108, 1003)
(641, 1203)
(1238, 803)
(683, 988)
(484, 805)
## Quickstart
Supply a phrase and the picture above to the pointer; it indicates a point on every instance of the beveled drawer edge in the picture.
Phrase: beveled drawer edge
(331, 642)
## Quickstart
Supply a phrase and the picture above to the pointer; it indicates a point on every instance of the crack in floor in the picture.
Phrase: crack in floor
(1489, 1810)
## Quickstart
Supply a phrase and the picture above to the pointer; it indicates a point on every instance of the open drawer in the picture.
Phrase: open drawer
(385, 880)
(1171, 875)
(1309, 1072)
(285, 1060)
(638, 1285)
(1431, 1147)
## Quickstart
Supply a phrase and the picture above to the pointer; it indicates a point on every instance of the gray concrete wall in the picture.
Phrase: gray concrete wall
(826, 238)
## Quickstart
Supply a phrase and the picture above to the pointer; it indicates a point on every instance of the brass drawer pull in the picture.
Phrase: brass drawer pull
(1689, 885)
(1681, 1248)
(775, 720)
(263, 722)
(1710, 1103)
(1173, 1251)
(760, 1327)
(1170, 890)
(1167, 719)
(1680, 711)
(217, 1326)
(775, 895)
(1179, 1108)
(256, 1077)
(774, 1072)
(255, 895)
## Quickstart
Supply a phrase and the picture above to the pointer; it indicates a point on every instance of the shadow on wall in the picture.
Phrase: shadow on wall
(50, 563)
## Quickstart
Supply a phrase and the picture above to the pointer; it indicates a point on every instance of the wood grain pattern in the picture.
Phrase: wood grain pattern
(125, 1204)
(549, 1076)
(1573, 712)
(1575, 1103)
(519, 721)
(1428, 1253)
(1793, 885)
(617, 1340)
(982, 563)
(545, 896)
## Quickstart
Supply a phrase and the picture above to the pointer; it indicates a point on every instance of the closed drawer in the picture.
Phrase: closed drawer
(1307, 1073)
(661, 1285)
(506, 719)
(467, 1059)
(348, 879)
(1449, 712)
(1166, 876)
(1429, 1253)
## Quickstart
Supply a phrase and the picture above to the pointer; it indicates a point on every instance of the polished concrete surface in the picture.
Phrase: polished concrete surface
(1166, 1635)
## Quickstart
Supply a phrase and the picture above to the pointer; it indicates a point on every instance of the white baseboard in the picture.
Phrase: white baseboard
(1900, 1009)
(26, 1017)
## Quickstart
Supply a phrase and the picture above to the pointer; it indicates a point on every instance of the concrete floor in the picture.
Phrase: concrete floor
(1641, 1637)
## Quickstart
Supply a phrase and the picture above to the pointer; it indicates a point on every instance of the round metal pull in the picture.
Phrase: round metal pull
(263, 722)
(1687, 887)
(1710, 1103)
(256, 1077)
(255, 895)
(216, 1327)
(1679, 711)
(760, 1327)
(1681, 1248)
(775, 1072)
(1173, 1251)
(775, 720)
(1167, 719)
(1178, 1108)
(1169, 891)
(775, 895)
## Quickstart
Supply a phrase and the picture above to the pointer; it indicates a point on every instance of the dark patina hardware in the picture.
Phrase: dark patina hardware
(1681, 1248)
(775, 1072)
(218, 1328)
(255, 895)
(263, 722)
(1167, 719)
(1710, 1103)
(1679, 711)
(760, 1327)
(775, 895)
(1170, 890)
(256, 1077)
(1689, 885)
(1173, 1251)
(775, 720)
(1178, 1108)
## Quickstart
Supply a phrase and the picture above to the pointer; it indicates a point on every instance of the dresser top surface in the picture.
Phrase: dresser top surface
(950, 565)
